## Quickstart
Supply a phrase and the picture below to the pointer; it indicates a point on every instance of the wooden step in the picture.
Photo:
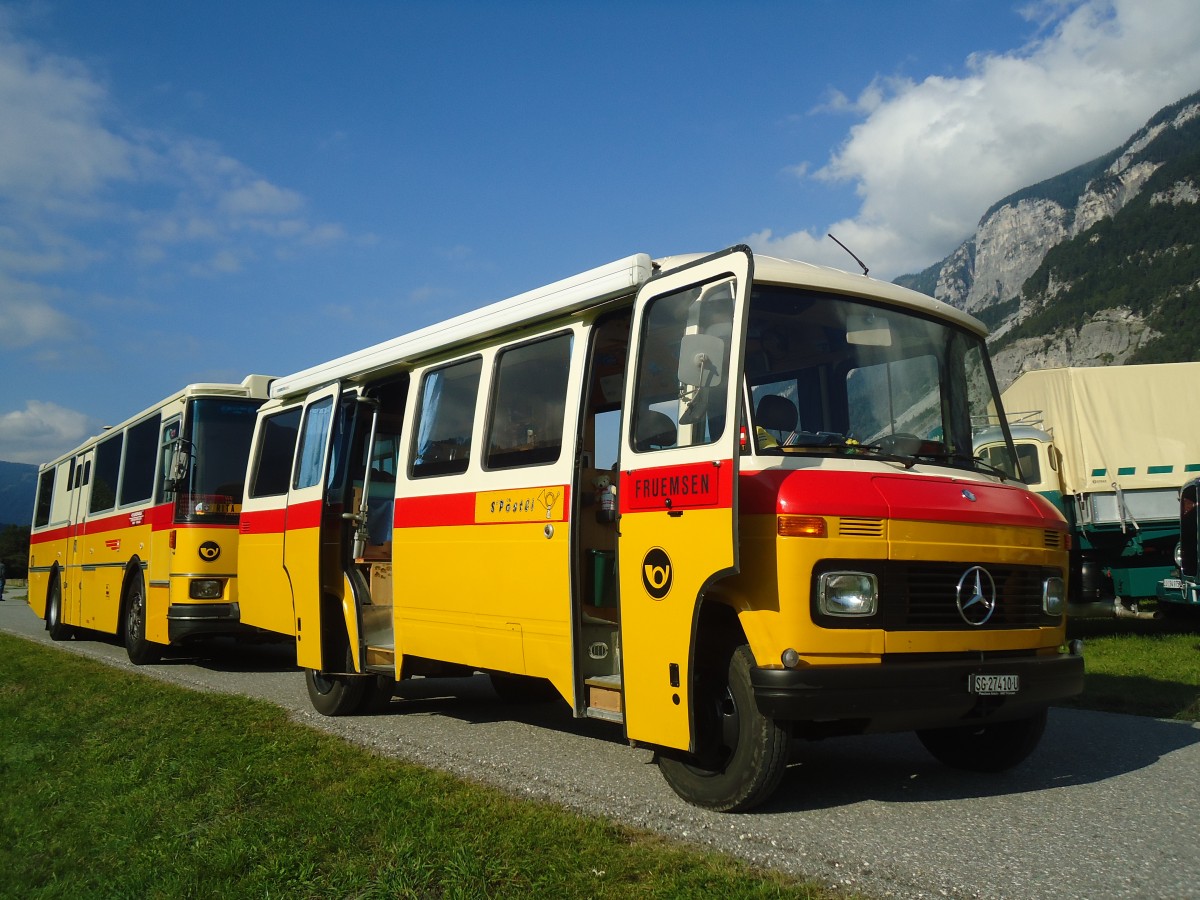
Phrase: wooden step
(604, 695)
(381, 656)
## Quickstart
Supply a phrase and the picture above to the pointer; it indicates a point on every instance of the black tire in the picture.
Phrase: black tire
(54, 623)
(342, 695)
(334, 695)
(742, 753)
(985, 748)
(140, 651)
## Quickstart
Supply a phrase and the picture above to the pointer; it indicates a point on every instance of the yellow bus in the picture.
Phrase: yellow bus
(135, 531)
(720, 502)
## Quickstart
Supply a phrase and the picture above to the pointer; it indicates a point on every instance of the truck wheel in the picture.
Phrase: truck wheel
(742, 753)
(985, 748)
(140, 651)
(54, 623)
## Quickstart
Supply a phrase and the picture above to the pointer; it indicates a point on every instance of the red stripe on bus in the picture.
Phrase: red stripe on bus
(266, 521)
(304, 515)
(440, 509)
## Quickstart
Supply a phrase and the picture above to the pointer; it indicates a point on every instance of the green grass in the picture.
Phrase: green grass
(115, 785)
(1143, 667)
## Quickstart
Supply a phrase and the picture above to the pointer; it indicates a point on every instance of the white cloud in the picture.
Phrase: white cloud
(28, 317)
(53, 139)
(42, 431)
(72, 167)
(259, 198)
(929, 157)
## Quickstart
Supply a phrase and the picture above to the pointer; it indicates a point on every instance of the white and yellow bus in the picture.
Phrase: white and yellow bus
(719, 502)
(135, 531)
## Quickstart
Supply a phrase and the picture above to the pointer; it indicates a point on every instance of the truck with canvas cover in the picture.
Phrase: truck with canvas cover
(1108, 447)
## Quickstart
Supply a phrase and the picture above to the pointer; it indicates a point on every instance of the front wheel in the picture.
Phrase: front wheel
(985, 748)
(742, 753)
(140, 650)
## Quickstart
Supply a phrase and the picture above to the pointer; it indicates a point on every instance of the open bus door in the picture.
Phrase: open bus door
(71, 610)
(306, 527)
(678, 483)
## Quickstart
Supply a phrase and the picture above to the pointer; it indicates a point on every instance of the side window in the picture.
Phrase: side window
(682, 369)
(446, 418)
(312, 443)
(276, 449)
(108, 470)
(45, 494)
(141, 453)
(528, 403)
(1027, 455)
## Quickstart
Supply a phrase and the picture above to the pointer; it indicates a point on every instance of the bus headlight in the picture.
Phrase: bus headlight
(848, 594)
(1179, 556)
(1054, 596)
(206, 588)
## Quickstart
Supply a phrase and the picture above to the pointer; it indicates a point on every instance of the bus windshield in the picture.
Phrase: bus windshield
(833, 374)
(216, 444)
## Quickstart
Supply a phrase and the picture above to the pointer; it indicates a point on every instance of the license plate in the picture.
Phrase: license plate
(1172, 584)
(995, 684)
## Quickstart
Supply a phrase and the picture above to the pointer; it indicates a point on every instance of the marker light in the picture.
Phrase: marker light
(848, 594)
(802, 526)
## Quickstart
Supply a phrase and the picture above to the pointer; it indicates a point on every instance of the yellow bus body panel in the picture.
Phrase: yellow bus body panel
(492, 597)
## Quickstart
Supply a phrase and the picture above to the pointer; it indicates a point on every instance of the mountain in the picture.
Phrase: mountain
(18, 484)
(1097, 266)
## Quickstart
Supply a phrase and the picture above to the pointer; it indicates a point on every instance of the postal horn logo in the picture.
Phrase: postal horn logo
(656, 573)
(210, 550)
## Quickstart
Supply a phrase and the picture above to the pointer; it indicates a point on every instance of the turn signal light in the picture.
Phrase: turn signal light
(802, 526)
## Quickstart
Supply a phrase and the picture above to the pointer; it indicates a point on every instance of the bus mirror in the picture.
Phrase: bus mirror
(868, 331)
(701, 359)
(179, 467)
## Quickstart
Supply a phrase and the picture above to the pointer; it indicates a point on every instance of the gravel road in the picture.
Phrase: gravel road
(1108, 806)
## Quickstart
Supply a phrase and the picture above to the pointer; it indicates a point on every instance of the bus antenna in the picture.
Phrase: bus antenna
(851, 252)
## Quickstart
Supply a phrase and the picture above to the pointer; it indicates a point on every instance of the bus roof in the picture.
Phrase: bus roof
(253, 387)
(616, 279)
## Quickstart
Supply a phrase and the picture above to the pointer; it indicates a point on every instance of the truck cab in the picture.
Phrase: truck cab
(1181, 593)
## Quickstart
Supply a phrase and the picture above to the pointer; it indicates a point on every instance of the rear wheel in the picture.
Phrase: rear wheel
(54, 623)
(334, 695)
(742, 753)
(985, 748)
(138, 648)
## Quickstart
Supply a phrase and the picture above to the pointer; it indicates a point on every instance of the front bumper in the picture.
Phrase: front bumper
(899, 695)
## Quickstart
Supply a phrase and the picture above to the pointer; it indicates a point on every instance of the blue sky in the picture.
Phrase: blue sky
(196, 191)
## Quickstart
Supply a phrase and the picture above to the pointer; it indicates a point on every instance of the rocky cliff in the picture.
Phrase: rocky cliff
(1093, 266)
